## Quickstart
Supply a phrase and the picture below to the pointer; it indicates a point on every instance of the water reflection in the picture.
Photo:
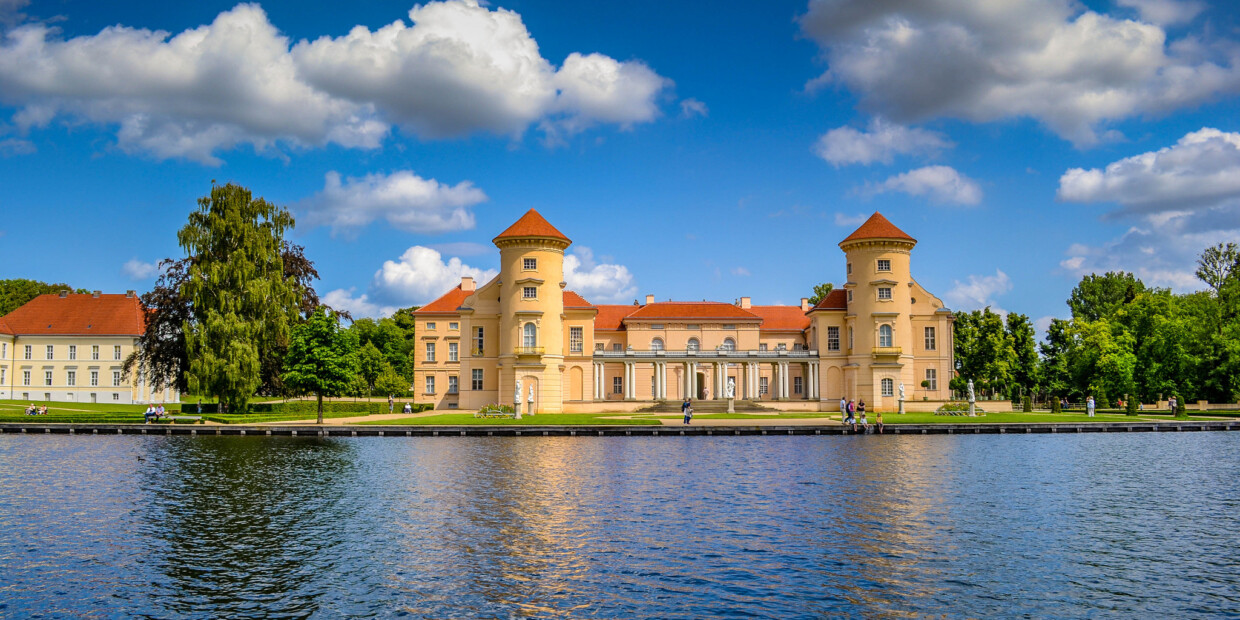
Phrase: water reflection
(663, 527)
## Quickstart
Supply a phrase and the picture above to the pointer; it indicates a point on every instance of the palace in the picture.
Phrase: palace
(72, 347)
(879, 335)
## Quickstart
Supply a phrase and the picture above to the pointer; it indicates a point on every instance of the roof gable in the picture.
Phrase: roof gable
(835, 300)
(781, 318)
(446, 304)
(573, 300)
(77, 314)
(532, 224)
(878, 227)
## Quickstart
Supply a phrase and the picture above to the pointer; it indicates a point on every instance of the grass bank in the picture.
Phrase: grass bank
(542, 419)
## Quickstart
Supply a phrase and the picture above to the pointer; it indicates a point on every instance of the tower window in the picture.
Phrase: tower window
(884, 264)
(884, 292)
(530, 335)
(529, 264)
(884, 336)
(530, 292)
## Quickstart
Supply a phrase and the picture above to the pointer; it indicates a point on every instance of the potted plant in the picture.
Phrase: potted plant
(925, 384)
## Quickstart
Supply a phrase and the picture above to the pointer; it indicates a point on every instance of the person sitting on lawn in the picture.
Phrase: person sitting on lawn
(150, 413)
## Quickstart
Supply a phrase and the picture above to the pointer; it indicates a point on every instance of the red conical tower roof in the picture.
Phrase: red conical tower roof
(532, 224)
(877, 227)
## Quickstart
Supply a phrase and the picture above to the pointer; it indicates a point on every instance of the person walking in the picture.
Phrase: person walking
(850, 419)
(1089, 406)
(391, 402)
(1171, 404)
(686, 409)
(843, 408)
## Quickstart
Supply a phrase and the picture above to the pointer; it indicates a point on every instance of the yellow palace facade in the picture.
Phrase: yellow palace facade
(879, 334)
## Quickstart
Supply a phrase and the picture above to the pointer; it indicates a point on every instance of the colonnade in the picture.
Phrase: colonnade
(747, 379)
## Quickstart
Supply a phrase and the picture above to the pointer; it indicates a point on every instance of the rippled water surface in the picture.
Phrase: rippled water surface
(1094, 525)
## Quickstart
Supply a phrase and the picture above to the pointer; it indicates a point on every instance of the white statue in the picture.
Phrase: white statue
(516, 398)
(901, 390)
(731, 388)
(972, 397)
(531, 392)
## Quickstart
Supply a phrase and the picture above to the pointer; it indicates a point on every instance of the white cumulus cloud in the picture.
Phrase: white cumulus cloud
(978, 292)
(402, 198)
(421, 275)
(597, 282)
(880, 143)
(1165, 12)
(456, 68)
(138, 270)
(357, 307)
(1056, 61)
(940, 184)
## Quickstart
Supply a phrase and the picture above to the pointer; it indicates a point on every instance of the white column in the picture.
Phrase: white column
(693, 384)
(663, 380)
(787, 381)
(684, 383)
(718, 381)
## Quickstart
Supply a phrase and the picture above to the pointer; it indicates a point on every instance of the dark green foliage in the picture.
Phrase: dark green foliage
(1130, 406)
(16, 292)
(1180, 410)
(321, 358)
(1099, 296)
(985, 352)
(1056, 406)
(1027, 403)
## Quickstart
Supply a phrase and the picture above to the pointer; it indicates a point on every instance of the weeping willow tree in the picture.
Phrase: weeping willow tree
(243, 301)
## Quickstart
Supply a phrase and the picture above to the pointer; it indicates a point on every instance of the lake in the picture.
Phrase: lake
(1103, 525)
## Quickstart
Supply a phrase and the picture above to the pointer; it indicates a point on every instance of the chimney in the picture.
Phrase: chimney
(64, 294)
(745, 303)
(130, 294)
(649, 299)
(467, 283)
(96, 294)
(804, 304)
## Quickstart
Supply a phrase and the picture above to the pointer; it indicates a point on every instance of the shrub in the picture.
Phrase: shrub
(1180, 410)
(1130, 406)
(1027, 404)
(1056, 406)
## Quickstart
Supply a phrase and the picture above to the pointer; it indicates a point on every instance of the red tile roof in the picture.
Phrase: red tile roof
(692, 310)
(877, 227)
(77, 315)
(573, 300)
(4, 327)
(447, 304)
(610, 316)
(532, 224)
(781, 318)
(835, 300)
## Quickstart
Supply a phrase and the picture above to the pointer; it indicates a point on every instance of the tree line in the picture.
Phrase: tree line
(1124, 340)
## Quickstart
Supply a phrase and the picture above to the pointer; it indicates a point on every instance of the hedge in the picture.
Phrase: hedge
(311, 407)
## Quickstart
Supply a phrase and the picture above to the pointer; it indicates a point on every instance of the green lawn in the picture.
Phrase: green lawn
(7, 406)
(742, 416)
(1016, 418)
(542, 419)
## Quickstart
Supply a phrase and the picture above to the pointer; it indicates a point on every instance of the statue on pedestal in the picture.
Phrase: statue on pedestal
(516, 400)
(531, 409)
(972, 400)
(901, 397)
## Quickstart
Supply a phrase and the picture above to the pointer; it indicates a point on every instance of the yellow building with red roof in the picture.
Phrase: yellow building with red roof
(878, 332)
(71, 347)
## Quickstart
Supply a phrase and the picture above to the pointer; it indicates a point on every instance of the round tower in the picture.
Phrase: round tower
(877, 262)
(531, 303)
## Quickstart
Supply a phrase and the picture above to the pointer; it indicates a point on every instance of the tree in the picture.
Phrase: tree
(17, 292)
(983, 351)
(820, 292)
(370, 364)
(242, 302)
(1055, 355)
(321, 357)
(1098, 296)
(1025, 370)
(391, 382)
(1218, 264)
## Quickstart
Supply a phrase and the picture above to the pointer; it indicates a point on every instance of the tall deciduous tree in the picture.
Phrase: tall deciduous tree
(241, 299)
(391, 382)
(321, 358)
(1025, 367)
(1098, 296)
(1217, 264)
(16, 292)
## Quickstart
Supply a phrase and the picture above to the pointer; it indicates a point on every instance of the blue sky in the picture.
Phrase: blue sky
(692, 150)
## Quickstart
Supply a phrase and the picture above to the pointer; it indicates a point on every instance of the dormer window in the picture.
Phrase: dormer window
(884, 264)
(529, 264)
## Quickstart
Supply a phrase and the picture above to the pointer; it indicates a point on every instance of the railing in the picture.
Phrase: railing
(728, 355)
(529, 351)
(887, 351)
(477, 352)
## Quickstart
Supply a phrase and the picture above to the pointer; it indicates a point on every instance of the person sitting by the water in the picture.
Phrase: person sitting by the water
(878, 421)
(43, 410)
(865, 426)
(150, 413)
(851, 419)
(160, 412)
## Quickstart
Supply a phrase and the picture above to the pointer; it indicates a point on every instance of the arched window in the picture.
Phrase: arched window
(693, 345)
(656, 344)
(531, 335)
(729, 344)
(884, 336)
(889, 387)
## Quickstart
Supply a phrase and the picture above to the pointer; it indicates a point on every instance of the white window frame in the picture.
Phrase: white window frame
(47, 377)
(116, 352)
(884, 293)
(94, 352)
(453, 352)
(529, 264)
(3, 372)
(764, 386)
(51, 352)
(72, 352)
(693, 344)
(529, 335)
(476, 379)
(116, 396)
(850, 338)
(479, 341)
(529, 292)
(656, 344)
(29, 352)
(25, 378)
(454, 384)
(616, 346)
(94, 378)
(116, 378)
(932, 377)
(70, 378)
(888, 386)
(931, 343)
(833, 338)
(430, 326)
(884, 264)
(430, 384)
(797, 383)
(762, 346)
(886, 336)
(729, 344)
(576, 339)
(454, 326)
(430, 351)
(617, 385)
